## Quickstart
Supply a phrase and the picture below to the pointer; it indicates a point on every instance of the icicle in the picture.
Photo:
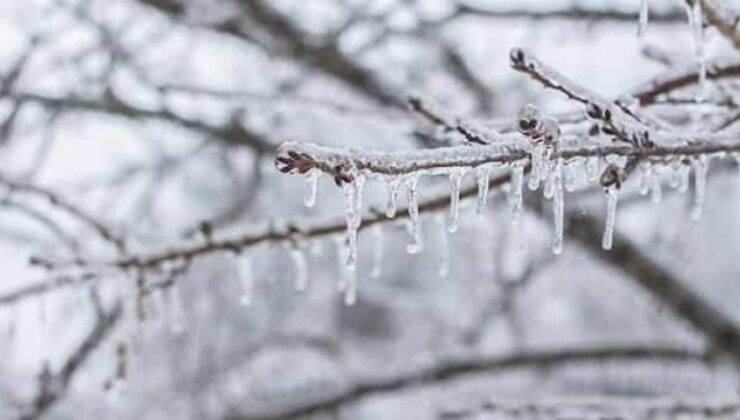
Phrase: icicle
(378, 242)
(483, 174)
(392, 186)
(593, 169)
(413, 247)
(301, 268)
(656, 195)
(675, 179)
(515, 191)
(246, 280)
(558, 207)
(696, 22)
(549, 189)
(571, 176)
(309, 197)
(452, 221)
(341, 250)
(646, 171)
(683, 186)
(700, 181)
(350, 291)
(444, 251)
(353, 204)
(612, 196)
(643, 19)
(537, 156)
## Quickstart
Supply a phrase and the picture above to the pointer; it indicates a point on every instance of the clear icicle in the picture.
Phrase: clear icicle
(537, 156)
(301, 268)
(444, 251)
(393, 186)
(656, 190)
(558, 207)
(571, 176)
(378, 250)
(246, 280)
(643, 19)
(645, 173)
(548, 191)
(412, 196)
(309, 197)
(675, 179)
(695, 16)
(341, 249)
(685, 174)
(353, 204)
(700, 182)
(515, 191)
(483, 174)
(593, 169)
(350, 291)
(612, 196)
(454, 216)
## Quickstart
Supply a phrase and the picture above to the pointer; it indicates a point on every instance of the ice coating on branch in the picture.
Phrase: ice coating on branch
(444, 251)
(453, 218)
(392, 186)
(378, 250)
(412, 197)
(300, 267)
(353, 212)
(515, 191)
(701, 166)
(612, 196)
(483, 175)
(558, 207)
(246, 280)
(312, 181)
(696, 23)
(643, 19)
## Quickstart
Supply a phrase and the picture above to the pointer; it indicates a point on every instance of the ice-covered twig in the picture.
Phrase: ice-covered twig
(681, 77)
(623, 122)
(341, 163)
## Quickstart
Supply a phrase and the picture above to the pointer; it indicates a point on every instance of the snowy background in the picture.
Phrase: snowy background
(155, 115)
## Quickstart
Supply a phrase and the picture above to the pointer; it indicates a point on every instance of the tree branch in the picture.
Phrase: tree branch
(453, 369)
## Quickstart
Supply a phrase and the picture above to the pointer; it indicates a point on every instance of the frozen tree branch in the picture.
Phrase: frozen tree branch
(675, 79)
(343, 164)
(453, 369)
